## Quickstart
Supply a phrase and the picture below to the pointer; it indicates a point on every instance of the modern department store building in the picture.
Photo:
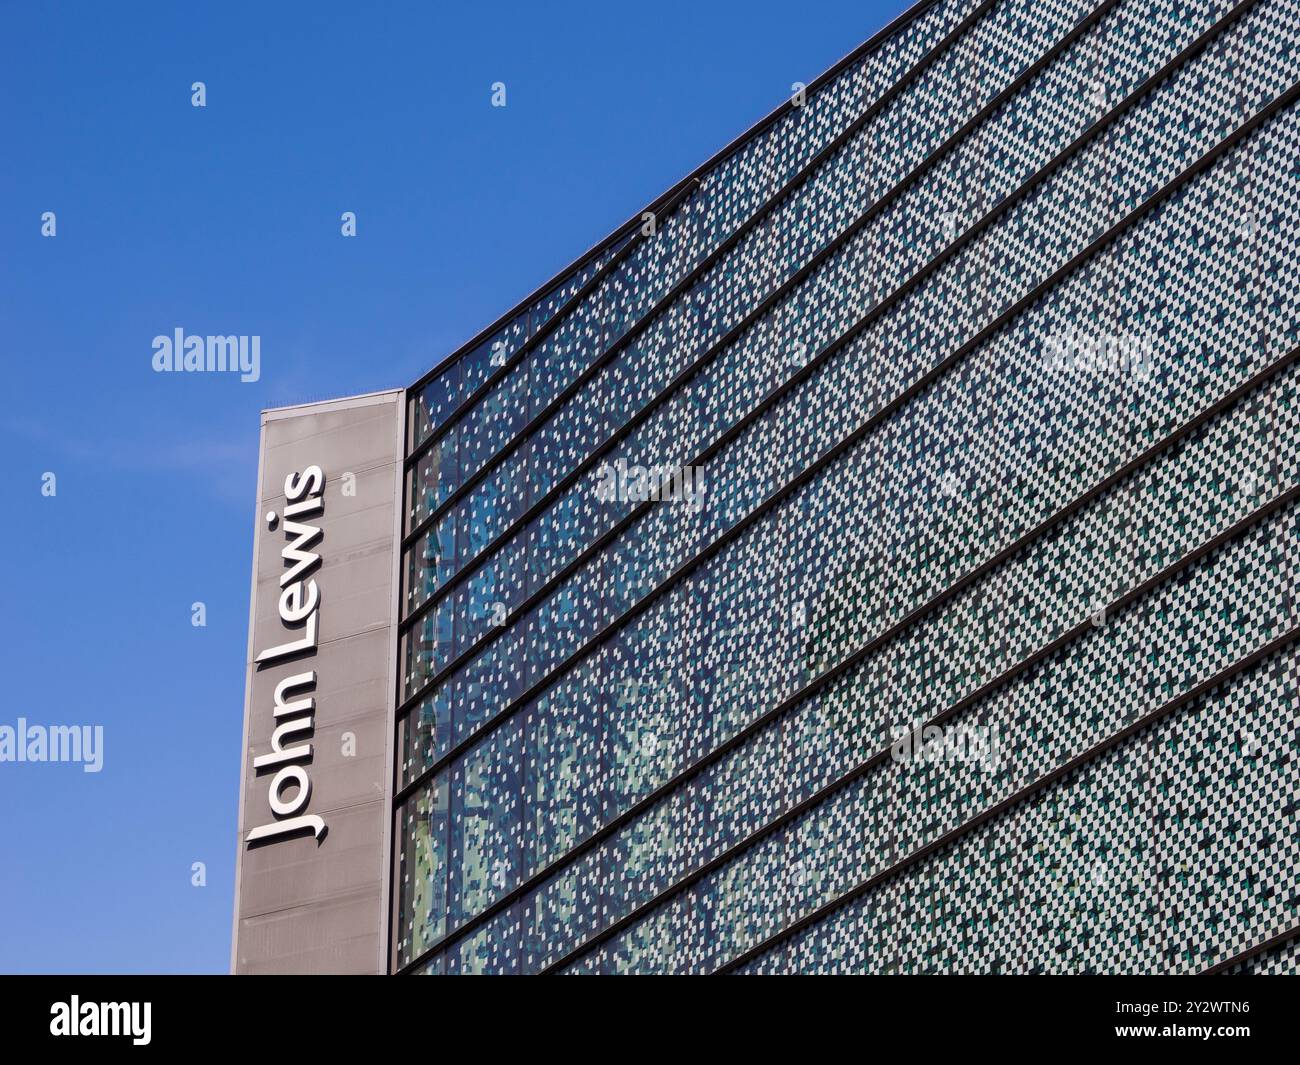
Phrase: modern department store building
(879, 555)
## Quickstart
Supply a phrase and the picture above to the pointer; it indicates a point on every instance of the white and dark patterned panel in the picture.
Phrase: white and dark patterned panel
(1177, 311)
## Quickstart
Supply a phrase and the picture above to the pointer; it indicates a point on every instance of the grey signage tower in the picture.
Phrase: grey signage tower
(312, 877)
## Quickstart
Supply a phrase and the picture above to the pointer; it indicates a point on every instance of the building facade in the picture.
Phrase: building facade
(879, 555)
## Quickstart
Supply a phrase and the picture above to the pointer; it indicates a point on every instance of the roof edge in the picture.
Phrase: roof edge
(363, 399)
(897, 23)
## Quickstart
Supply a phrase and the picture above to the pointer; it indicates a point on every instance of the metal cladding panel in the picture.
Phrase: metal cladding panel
(960, 407)
(312, 898)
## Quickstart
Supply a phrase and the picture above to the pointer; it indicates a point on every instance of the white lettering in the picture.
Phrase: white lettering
(294, 706)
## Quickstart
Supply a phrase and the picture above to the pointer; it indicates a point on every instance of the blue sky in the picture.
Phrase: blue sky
(225, 220)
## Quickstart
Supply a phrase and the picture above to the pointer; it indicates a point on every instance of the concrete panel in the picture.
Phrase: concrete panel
(356, 579)
(301, 870)
(341, 693)
(346, 441)
(371, 488)
(338, 779)
(306, 903)
(337, 936)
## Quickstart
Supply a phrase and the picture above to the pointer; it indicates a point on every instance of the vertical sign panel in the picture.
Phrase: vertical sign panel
(311, 875)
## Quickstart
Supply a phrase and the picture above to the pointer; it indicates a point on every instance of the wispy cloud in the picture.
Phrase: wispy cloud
(229, 464)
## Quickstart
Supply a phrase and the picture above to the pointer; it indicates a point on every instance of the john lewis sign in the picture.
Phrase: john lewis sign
(294, 705)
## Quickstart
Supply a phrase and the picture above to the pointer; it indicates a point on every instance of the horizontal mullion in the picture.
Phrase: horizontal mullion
(531, 342)
(1179, 702)
(774, 297)
(875, 643)
(960, 706)
(681, 288)
(717, 159)
(1273, 942)
(920, 385)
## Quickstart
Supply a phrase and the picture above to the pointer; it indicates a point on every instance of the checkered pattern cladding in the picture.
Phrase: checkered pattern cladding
(885, 559)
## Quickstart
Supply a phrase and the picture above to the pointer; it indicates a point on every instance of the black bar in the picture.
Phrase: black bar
(335, 1016)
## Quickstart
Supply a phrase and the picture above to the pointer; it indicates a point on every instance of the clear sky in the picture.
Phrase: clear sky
(225, 220)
